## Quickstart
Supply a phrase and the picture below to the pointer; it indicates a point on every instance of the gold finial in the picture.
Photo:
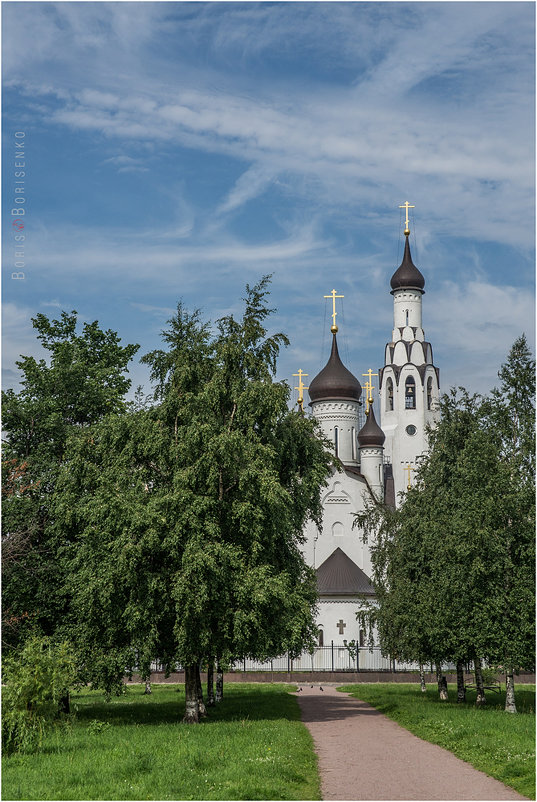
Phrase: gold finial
(333, 296)
(369, 389)
(301, 387)
(408, 468)
(406, 205)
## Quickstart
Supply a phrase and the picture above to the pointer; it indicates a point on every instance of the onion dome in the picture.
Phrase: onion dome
(371, 434)
(335, 382)
(407, 275)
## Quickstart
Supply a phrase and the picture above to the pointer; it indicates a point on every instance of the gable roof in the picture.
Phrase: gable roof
(340, 576)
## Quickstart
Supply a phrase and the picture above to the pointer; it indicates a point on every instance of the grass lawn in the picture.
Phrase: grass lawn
(252, 746)
(498, 743)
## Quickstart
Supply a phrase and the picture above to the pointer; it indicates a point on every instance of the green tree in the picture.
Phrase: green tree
(188, 517)
(510, 414)
(453, 567)
(83, 380)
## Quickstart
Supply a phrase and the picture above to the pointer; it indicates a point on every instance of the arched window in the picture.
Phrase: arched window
(362, 637)
(338, 529)
(353, 442)
(320, 636)
(429, 392)
(406, 312)
(410, 393)
(389, 395)
(336, 440)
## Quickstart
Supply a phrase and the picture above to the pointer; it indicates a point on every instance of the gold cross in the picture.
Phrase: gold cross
(333, 296)
(300, 388)
(408, 468)
(368, 389)
(406, 205)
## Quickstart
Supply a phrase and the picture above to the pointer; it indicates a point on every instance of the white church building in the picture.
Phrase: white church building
(373, 460)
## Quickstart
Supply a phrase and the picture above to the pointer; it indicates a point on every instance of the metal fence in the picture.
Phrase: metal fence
(335, 657)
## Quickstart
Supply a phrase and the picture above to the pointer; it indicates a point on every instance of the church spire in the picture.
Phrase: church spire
(409, 380)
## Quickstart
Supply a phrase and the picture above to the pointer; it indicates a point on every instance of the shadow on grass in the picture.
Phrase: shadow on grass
(239, 703)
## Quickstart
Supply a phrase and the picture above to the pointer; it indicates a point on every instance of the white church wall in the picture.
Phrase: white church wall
(337, 619)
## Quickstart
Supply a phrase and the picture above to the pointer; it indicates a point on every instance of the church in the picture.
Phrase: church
(374, 459)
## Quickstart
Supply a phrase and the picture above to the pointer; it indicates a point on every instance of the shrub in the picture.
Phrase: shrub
(36, 681)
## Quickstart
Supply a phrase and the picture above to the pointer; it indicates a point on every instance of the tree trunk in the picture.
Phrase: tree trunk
(199, 690)
(480, 697)
(147, 686)
(219, 683)
(64, 703)
(442, 683)
(510, 706)
(422, 679)
(191, 695)
(210, 682)
(461, 691)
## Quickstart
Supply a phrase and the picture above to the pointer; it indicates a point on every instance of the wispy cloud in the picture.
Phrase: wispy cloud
(465, 153)
(274, 137)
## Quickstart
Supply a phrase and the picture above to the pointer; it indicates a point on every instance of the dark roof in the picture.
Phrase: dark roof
(371, 434)
(407, 275)
(389, 488)
(334, 381)
(340, 576)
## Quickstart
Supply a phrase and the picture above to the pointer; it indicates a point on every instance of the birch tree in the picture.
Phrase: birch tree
(453, 567)
(188, 517)
(510, 414)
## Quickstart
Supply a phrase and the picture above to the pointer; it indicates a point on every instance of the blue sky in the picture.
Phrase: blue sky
(180, 150)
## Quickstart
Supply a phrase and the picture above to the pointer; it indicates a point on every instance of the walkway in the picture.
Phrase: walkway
(364, 755)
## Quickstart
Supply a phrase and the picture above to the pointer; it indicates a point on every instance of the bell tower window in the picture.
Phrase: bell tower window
(410, 393)
(389, 395)
(429, 392)
(336, 440)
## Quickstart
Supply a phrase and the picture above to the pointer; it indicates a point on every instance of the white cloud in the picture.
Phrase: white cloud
(18, 338)
(250, 184)
(472, 327)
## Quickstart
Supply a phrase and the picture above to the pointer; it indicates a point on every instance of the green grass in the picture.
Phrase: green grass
(498, 743)
(252, 746)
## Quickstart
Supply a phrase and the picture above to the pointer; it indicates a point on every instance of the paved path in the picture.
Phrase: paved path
(364, 755)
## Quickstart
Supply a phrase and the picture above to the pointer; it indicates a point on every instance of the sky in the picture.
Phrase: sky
(176, 151)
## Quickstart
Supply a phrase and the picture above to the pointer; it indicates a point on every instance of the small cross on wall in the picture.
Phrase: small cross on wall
(341, 625)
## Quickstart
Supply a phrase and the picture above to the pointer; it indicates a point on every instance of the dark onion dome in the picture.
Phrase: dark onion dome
(334, 382)
(407, 275)
(371, 434)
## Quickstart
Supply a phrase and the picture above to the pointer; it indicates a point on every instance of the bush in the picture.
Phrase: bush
(37, 681)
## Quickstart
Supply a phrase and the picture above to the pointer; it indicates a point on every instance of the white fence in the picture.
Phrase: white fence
(335, 657)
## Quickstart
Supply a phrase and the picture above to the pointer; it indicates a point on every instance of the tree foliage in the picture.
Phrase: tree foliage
(82, 381)
(182, 523)
(454, 565)
(36, 679)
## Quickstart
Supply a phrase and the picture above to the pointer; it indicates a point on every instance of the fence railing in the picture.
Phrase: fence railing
(334, 657)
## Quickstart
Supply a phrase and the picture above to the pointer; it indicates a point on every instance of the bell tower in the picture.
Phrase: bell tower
(409, 381)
